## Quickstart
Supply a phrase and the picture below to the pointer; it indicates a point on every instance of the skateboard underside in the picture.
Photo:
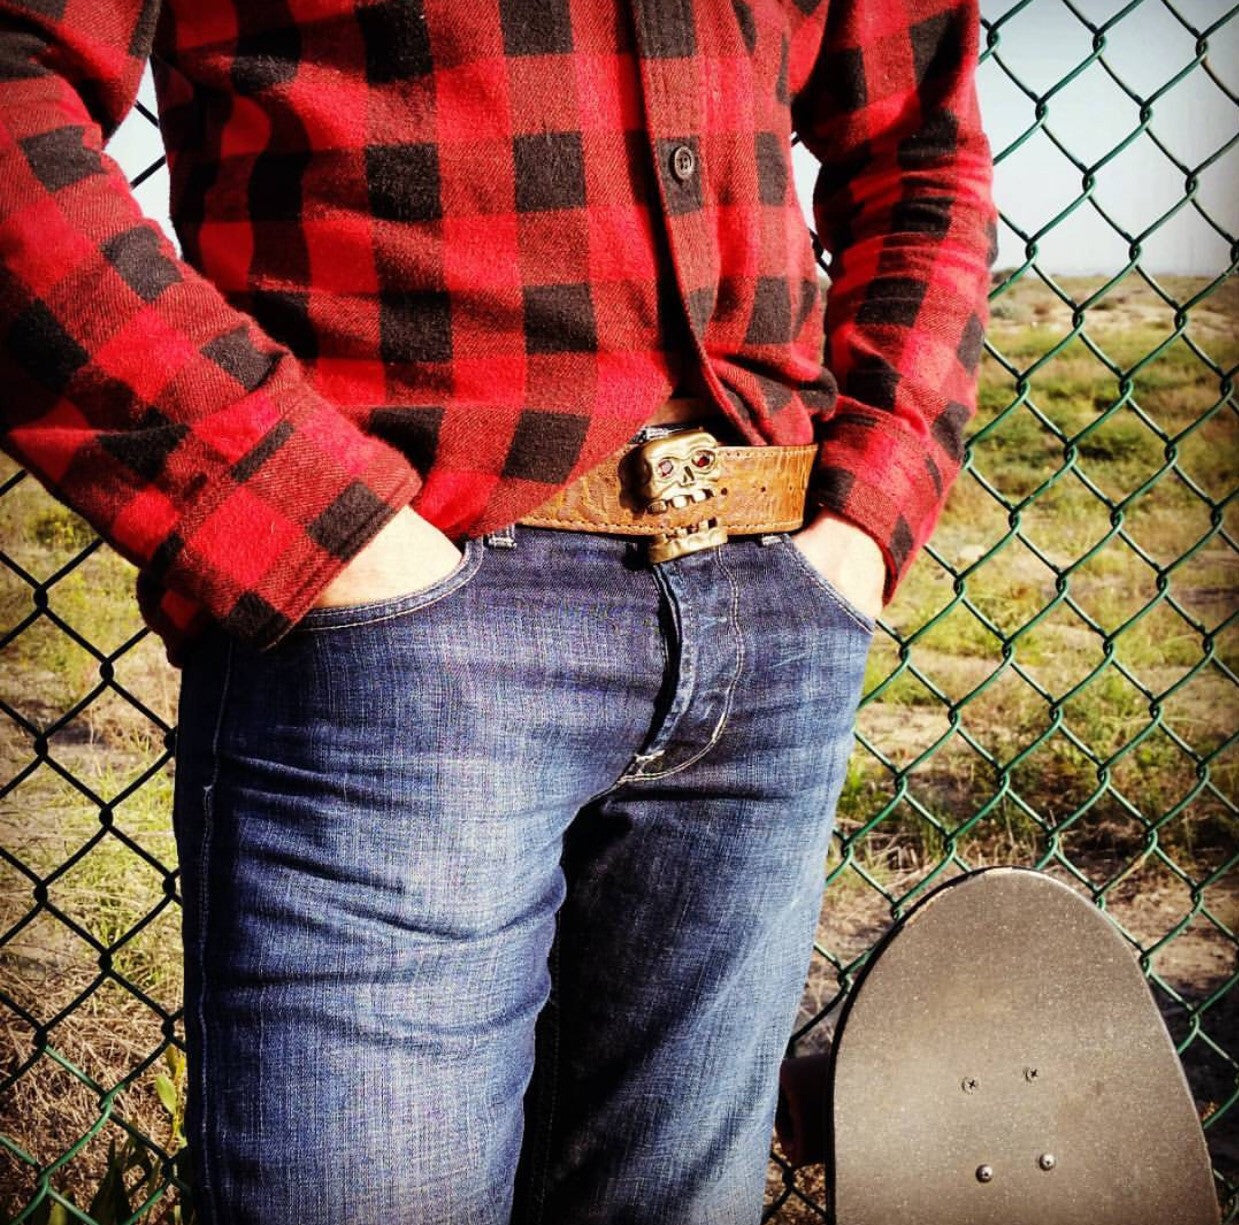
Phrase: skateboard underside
(1002, 1062)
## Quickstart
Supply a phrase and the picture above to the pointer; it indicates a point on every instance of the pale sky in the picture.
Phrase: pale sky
(1041, 43)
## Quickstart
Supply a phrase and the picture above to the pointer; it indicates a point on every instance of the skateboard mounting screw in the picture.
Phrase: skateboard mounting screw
(1046, 1161)
(970, 1084)
(1030, 1074)
(985, 1173)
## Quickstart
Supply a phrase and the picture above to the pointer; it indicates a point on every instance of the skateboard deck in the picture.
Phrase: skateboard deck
(1002, 1062)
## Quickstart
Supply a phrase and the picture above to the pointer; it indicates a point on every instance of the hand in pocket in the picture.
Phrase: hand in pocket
(407, 555)
(848, 558)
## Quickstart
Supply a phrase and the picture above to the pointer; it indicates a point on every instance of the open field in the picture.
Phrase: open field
(1053, 685)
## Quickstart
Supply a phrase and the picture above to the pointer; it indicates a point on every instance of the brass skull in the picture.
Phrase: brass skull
(671, 473)
(678, 470)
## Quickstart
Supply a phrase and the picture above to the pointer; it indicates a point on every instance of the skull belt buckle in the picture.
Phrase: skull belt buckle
(670, 473)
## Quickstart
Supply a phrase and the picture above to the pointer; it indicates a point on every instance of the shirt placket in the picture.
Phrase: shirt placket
(673, 96)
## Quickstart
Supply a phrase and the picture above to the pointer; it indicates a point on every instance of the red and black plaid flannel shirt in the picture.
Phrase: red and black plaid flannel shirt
(454, 252)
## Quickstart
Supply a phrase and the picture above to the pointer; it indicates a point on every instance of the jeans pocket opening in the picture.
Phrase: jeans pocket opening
(862, 619)
(344, 616)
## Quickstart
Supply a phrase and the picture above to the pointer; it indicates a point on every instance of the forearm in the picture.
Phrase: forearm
(903, 204)
(188, 438)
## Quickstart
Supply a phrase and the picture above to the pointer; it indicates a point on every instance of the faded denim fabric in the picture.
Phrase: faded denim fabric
(499, 897)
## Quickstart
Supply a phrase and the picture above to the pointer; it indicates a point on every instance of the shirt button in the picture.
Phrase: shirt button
(683, 162)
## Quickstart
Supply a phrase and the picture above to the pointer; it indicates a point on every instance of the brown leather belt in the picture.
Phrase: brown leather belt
(687, 491)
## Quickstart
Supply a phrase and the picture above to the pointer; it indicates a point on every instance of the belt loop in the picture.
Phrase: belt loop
(504, 538)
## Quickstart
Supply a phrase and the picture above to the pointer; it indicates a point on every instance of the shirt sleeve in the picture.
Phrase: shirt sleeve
(903, 205)
(188, 438)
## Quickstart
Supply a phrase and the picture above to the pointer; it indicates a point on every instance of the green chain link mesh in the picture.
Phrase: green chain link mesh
(1054, 685)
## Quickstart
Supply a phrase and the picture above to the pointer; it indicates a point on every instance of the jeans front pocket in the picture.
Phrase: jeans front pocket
(858, 616)
(345, 616)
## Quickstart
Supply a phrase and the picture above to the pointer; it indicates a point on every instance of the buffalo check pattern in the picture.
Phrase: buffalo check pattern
(452, 253)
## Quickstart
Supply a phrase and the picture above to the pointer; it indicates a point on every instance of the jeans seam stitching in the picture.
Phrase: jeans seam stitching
(546, 1139)
(721, 725)
(203, 915)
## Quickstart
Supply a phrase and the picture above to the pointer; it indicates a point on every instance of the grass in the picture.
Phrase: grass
(1053, 684)
(114, 926)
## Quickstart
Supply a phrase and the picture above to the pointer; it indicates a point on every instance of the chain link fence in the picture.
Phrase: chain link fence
(1054, 685)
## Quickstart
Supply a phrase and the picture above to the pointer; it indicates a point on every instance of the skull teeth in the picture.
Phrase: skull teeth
(685, 499)
(678, 501)
(690, 529)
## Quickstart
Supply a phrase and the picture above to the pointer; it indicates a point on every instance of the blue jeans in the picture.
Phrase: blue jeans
(500, 896)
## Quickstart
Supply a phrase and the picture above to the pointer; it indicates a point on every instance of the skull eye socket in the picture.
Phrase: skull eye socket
(666, 467)
(703, 460)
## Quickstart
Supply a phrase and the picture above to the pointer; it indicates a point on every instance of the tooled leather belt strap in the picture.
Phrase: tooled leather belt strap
(687, 491)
